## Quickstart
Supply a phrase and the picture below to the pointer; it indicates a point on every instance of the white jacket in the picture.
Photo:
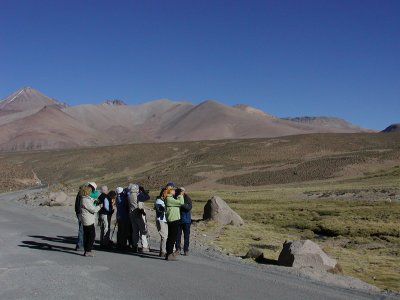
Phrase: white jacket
(163, 218)
(88, 211)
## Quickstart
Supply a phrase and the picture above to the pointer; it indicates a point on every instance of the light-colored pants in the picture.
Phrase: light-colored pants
(105, 229)
(139, 230)
(162, 228)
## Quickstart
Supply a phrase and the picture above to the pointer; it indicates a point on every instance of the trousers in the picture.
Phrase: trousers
(105, 229)
(89, 234)
(173, 228)
(162, 228)
(185, 228)
(139, 230)
(123, 233)
(79, 241)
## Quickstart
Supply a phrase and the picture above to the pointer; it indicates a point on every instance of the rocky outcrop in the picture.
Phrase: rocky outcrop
(56, 199)
(392, 128)
(305, 254)
(218, 210)
(115, 102)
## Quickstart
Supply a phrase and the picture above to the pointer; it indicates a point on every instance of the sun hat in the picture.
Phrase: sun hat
(171, 184)
(93, 184)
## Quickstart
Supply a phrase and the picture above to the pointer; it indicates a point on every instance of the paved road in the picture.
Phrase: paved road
(37, 261)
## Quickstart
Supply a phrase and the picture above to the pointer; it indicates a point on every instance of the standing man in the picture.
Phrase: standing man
(105, 214)
(122, 218)
(137, 195)
(184, 224)
(78, 212)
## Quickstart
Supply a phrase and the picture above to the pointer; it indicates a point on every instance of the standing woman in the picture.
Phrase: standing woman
(161, 223)
(173, 218)
(89, 208)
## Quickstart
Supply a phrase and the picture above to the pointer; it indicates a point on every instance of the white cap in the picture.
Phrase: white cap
(119, 190)
(134, 188)
(104, 189)
(93, 184)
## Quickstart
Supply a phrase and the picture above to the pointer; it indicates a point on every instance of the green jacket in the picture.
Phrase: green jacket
(173, 208)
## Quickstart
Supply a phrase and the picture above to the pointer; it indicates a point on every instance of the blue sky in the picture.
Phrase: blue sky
(288, 58)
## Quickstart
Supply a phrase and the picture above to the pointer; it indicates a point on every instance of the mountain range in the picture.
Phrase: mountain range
(30, 120)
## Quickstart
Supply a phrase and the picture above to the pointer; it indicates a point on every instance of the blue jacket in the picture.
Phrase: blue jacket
(186, 215)
(122, 206)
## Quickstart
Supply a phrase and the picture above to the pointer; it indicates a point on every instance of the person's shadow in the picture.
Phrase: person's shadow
(48, 247)
(71, 240)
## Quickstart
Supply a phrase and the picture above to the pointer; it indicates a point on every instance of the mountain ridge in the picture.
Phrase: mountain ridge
(27, 98)
(32, 120)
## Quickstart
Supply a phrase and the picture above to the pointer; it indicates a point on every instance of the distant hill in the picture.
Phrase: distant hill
(27, 99)
(328, 122)
(49, 128)
(32, 120)
(392, 128)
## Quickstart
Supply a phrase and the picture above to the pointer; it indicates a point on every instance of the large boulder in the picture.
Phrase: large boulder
(216, 209)
(59, 197)
(305, 254)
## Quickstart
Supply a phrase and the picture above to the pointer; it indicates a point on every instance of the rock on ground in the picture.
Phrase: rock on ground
(59, 197)
(254, 253)
(303, 254)
(218, 210)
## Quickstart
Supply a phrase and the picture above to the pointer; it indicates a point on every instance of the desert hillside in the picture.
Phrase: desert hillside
(25, 123)
(223, 163)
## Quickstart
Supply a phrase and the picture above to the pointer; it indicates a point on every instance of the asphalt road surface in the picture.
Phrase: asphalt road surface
(38, 261)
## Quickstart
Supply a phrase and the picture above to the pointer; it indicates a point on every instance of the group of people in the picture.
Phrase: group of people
(173, 217)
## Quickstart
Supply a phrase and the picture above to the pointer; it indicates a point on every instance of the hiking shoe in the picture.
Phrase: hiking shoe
(186, 253)
(171, 257)
(89, 254)
(177, 252)
(144, 250)
(162, 254)
(79, 249)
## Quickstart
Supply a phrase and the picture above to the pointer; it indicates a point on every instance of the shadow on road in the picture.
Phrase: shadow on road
(48, 247)
(59, 239)
(71, 240)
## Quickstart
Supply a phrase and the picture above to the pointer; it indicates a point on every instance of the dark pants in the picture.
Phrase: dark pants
(186, 235)
(79, 241)
(123, 234)
(173, 228)
(89, 234)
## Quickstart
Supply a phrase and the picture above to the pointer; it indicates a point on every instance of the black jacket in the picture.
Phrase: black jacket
(78, 209)
(103, 210)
